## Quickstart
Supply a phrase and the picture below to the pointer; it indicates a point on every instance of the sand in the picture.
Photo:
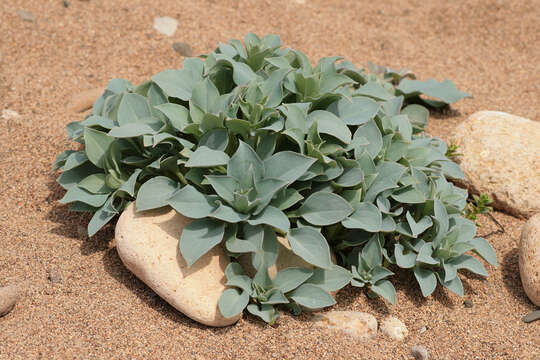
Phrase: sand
(98, 309)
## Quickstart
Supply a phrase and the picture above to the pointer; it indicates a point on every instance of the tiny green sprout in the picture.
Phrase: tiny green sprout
(453, 151)
(479, 205)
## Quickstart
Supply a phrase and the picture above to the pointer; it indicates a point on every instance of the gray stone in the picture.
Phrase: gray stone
(183, 49)
(165, 25)
(532, 316)
(55, 276)
(419, 352)
(9, 295)
(501, 157)
(26, 15)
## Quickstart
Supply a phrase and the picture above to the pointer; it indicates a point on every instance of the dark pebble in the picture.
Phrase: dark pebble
(66, 3)
(532, 316)
(54, 276)
(468, 304)
(183, 49)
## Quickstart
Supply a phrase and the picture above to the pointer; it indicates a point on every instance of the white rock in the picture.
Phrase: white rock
(358, 324)
(165, 25)
(9, 114)
(9, 295)
(394, 328)
(147, 243)
(501, 157)
(529, 258)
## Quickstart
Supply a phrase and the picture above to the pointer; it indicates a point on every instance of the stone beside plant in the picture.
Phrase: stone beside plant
(253, 143)
(529, 259)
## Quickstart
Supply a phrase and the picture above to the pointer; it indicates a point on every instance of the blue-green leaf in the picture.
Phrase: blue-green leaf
(199, 237)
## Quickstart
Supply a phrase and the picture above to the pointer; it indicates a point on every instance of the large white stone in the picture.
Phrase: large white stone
(501, 157)
(529, 259)
(147, 243)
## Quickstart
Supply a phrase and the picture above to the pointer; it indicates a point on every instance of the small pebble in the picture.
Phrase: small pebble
(26, 15)
(10, 114)
(394, 328)
(8, 298)
(532, 316)
(165, 25)
(183, 49)
(55, 276)
(66, 3)
(422, 330)
(419, 352)
(468, 304)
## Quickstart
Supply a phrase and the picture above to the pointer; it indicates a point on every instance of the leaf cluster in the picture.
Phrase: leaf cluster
(254, 142)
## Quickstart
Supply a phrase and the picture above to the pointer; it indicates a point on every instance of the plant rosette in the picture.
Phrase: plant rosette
(253, 142)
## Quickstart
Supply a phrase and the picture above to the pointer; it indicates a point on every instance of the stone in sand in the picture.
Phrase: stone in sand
(9, 114)
(358, 324)
(147, 243)
(182, 48)
(529, 259)
(165, 25)
(419, 352)
(26, 15)
(501, 157)
(9, 295)
(394, 328)
(84, 100)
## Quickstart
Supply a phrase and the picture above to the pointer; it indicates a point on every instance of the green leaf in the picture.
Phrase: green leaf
(425, 255)
(404, 260)
(265, 312)
(455, 285)
(271, 216)
(290, 278)
(312, 297)
(485, 250)
(244, 162)
(155, 193)
(225, 186)
(231, 303)
(418, 115)
(287, 166)
(409, 195)
(178, 115)
(75, 159)
(328, 123)
(101, 217)
(350, 177)
(267, 249)
(228, 214)
(133, 108)
(470, 263)
(323, 208)
(205, 95)
(129, 185)
(373, 90)
(240, 281)
(330, 279)
(71, 178)
(199, 237)
(61, 159)
(135, 129)
(77, 194)
(385, 289)
(358, 110)
(191, 203)
(206, 157)
(216, 139)
(287, 198)
(97, 144)
(445, 91)
(426, 279)
(311, 246)
(366, 217)
(177, 83)
(234, 269)
(95, 184)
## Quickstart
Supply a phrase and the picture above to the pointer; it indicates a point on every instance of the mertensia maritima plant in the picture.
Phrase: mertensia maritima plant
(253, 142)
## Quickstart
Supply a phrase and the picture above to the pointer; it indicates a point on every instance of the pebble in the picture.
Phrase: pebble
(468, 304)
(84, 100)
(66, 3)
(500, 155)
(532, 316)
(147, 243)
(9, 295)
(183, 49)
(358, 324)
(529, 258)
(26, 15)
(55, 276)
(394, 328)
(9, 114)
(165, 25)
(419, 352)
(422, 330)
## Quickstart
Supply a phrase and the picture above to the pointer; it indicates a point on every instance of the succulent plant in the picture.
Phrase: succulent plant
(252, 142)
